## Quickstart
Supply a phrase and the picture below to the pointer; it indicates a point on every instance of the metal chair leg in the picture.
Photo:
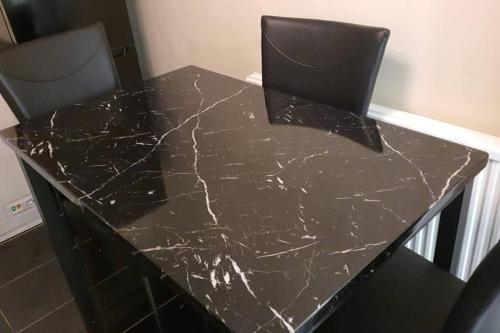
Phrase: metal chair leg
(149, 294)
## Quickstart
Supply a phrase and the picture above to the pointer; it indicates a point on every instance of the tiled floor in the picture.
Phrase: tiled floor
(34, 296)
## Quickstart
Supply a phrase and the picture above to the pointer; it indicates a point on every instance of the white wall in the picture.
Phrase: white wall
(12, 184)
(442, 60)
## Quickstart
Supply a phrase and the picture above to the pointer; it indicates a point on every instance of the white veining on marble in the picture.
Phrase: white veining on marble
(242, 275)
(52, 119)
(454, 174)
(196, 153)
(421, 173)
(282, 320)
(286, 251)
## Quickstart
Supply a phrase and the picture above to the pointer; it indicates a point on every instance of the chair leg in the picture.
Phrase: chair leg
(206, 324)
(149, 294)
(63, 240)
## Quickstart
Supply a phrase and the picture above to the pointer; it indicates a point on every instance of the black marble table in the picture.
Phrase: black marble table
(263, 207)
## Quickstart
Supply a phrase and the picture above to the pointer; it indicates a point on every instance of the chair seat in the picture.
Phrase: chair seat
(407, 294)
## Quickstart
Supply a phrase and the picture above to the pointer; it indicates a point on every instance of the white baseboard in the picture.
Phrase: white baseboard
(20, 229)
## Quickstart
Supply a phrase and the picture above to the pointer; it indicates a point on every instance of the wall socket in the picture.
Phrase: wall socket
(19, 206)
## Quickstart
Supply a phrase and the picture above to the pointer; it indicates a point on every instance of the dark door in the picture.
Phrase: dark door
(30, 19)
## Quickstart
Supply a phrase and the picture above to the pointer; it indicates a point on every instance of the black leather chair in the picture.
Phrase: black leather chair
(55, 71)
(411, 295)
(45, 74)
(331, 63)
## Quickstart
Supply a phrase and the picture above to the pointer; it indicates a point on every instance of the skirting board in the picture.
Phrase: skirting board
(19, 230)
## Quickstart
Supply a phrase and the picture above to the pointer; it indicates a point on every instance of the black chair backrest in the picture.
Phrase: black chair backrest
(477, 309)
(331, 63)
(55, 71)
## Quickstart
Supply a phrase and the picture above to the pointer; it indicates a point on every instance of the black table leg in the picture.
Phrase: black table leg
(64, 241)
(451, 231)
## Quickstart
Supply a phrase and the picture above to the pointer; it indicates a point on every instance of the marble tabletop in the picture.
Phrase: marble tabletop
(261, 205)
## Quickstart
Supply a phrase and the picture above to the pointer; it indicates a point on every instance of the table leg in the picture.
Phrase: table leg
(64, 241)
(451, 231)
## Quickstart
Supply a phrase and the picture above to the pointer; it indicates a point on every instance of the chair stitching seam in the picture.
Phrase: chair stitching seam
(61, 77)
(321, 67)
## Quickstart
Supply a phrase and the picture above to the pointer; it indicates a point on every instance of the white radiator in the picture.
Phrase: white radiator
(482, 229)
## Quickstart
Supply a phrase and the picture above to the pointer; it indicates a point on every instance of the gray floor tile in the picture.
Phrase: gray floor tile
(23, 253)
(65, 319)
(34, 295)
